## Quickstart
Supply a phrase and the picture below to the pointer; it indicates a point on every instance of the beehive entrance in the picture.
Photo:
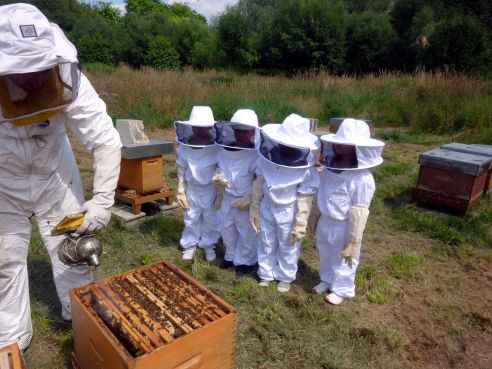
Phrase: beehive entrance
(150, 307)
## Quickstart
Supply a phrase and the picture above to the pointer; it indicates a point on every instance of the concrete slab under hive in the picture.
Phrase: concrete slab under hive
(152, 317)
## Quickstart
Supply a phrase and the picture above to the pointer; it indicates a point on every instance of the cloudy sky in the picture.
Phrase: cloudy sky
(208, 8)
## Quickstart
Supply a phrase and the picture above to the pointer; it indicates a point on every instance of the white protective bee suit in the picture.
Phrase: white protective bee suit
(198, 163)
(343, 191)
(286, 179)
(38, 173)
(237, 166)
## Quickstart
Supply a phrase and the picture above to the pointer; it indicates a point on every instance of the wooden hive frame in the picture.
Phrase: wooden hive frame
(151, 317)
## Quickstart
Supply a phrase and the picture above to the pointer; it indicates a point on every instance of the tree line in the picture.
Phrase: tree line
(283, 36)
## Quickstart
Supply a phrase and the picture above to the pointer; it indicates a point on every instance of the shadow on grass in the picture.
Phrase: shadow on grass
(307, 277)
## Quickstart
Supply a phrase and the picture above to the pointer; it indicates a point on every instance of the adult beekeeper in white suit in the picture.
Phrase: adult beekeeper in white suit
(41, 91)
(237, 168)
(345, 193)
(197, 164)
(282, 196)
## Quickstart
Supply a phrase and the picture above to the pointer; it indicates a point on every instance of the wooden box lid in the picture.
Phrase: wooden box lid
(456, 161)
(482, 150)
(153, 148)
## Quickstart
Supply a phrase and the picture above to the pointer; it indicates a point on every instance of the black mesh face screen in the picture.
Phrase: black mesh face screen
(339, 156)
(280, 154)
(235, 135)
(194, 135)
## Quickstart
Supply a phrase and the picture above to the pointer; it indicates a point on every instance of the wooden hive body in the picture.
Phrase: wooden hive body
(454, 179)
(481, 150)
(142, 174)
(124, 322)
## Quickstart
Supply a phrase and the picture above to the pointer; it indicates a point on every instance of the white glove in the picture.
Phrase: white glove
(181, 195)
(304, 203)
(242, 203)
(219, 182)
(314, 217)
(106, 165)
(95, 219)
(256, 197)
(357, 223)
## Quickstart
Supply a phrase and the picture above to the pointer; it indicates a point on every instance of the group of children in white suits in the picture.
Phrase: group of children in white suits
(254, 187)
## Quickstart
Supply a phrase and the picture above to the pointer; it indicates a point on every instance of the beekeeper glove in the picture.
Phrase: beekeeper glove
(219, 182)
(218, 200)
(97, 210)
(242, 203)
(314, 216)
(304, 203)
(357, 222)
(181, 195)
(256, 197)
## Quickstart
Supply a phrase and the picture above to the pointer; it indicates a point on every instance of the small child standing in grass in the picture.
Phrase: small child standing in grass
(282, 196)
(197, 163)
(343, 200)
(237, 164)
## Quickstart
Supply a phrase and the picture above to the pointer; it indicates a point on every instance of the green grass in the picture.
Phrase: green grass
(417, 260)
(405, 263)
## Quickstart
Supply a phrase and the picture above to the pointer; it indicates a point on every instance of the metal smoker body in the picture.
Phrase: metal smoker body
(80, 250)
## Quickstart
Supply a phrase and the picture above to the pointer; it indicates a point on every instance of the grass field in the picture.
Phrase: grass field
(424, 283)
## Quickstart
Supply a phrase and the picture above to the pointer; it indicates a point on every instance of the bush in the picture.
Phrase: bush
(161, 54)
(94, 48)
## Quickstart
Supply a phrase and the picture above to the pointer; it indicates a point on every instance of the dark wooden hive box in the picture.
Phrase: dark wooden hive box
(452, 178)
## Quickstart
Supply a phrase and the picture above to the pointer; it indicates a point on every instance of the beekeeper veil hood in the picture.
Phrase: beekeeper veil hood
(38, 66)
(199, 130)
(240, 133)
(289, 144)
(351, 148)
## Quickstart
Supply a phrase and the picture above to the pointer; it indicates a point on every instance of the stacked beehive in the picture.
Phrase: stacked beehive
(152, 317)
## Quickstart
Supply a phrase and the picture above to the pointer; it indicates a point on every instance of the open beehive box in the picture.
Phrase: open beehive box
(151, 317)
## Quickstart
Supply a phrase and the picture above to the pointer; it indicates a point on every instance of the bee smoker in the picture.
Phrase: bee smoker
(81, 250)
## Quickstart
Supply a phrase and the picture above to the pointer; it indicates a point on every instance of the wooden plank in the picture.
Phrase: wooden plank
(199, 307)
(134, 337)
(166, 334)
(5, 359)
(194, 310)
(176, 320)
(133, 319)
(138, 199)
(169, 303)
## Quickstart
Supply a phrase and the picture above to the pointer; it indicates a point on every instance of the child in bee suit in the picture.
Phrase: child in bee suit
(343, 200)
(282, 196)
(197, 163)
(237, 164)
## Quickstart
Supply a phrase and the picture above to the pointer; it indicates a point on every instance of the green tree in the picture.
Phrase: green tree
(161, 54)
(233, 32)
(369, 41)
(304, 34)
(460, 42)
(145, 6)
(94, 48)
